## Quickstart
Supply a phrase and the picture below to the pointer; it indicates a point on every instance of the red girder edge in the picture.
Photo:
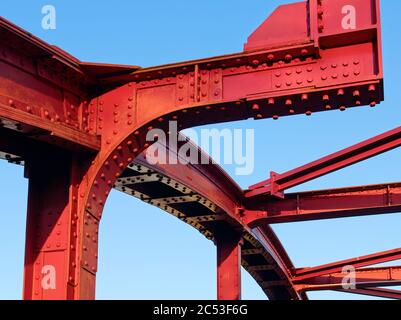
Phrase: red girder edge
(216, 175)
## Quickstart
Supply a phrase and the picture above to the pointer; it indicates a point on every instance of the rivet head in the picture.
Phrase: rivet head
(288, 58)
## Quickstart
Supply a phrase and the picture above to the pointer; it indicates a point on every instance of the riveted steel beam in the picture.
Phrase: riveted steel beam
(338, 160)
(326, 204)
(376, 292)
(358, 262)
(359, 278)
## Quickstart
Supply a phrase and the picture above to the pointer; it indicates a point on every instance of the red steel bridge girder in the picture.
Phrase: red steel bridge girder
(228, 245)
(99, 115)
(326, 204)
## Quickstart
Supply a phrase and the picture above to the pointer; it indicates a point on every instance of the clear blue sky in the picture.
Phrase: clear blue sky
(145, 253)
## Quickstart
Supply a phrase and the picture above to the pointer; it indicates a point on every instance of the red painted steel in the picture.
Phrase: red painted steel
(214, 184)
(79, 127)
(228, 245)
(364, 278)
(326, 204)
(358, 262)
(377, 292)
(341, 159)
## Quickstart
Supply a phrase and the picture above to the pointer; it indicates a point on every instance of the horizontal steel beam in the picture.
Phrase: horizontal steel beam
(47, 130)
(376, 292)
(358, 262)
(336, 161)
(339, 286)
(326, 204)
(363, 278)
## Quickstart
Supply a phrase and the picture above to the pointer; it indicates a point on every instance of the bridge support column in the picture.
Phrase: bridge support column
(57, 253)
(228, 244)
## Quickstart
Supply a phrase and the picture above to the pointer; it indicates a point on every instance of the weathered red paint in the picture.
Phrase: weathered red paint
(80, 127)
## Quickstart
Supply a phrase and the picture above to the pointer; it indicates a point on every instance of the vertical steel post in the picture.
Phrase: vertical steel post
(228, 244)
(54, 243)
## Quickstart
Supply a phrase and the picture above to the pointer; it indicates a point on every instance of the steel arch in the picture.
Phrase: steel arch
(80, 129)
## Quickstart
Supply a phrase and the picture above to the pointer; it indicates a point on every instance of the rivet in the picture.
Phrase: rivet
(288, 57)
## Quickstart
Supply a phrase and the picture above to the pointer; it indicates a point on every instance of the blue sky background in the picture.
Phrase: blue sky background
(145, 253)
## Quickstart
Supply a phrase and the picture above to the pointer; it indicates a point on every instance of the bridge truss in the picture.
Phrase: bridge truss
(80, 130)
